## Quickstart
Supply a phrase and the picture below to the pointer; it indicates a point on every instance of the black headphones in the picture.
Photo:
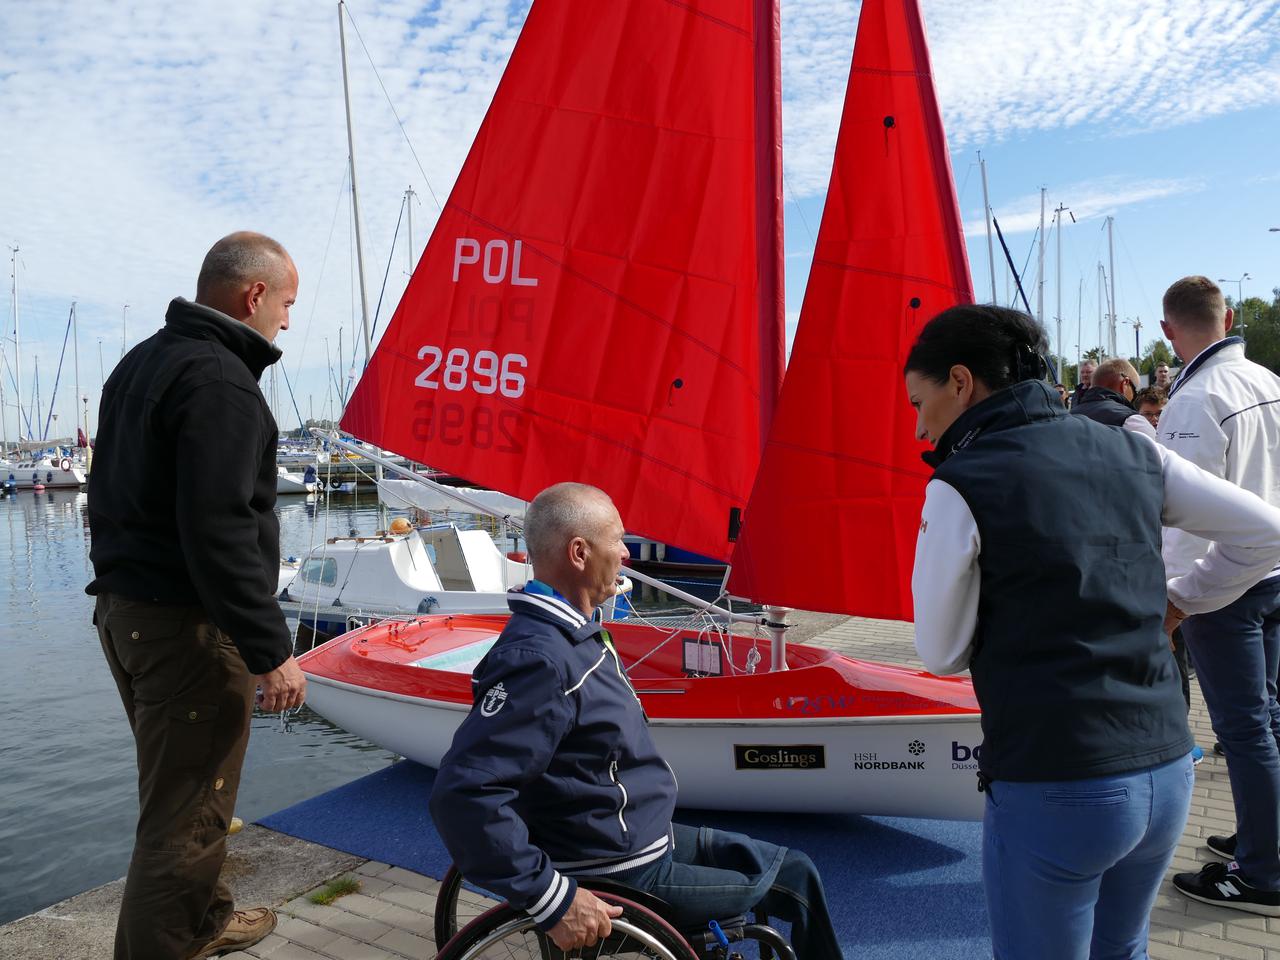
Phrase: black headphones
(1028, 364)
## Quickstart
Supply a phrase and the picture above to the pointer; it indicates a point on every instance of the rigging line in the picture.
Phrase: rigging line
(57, 377)
(1009, 259)
(324, 555)
(342, 189)
(1132, 266)
(1025, 263)
(799, 209)
(394, 237)
(967, 173)
(403, 131)
(292, 398)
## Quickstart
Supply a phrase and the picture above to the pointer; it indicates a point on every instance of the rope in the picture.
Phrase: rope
(400, 122)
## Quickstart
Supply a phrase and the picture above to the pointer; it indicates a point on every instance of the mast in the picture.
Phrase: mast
(1102, 282)
(355, 212)
(35, 398)
(355, 197)
(986, 209)
(75, 353)
(1111, 257)
(768, 107)
(1057, 219)
(408, 203)
(4, 424)
(1079, 327)
(1040, 265)
(124, 330)
(17, 344)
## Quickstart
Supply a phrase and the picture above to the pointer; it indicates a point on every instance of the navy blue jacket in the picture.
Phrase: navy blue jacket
(1104, 406)
(1070, 664)
(553, 774)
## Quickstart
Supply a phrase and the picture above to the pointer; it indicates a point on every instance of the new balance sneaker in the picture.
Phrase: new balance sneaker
(246, 928)
(1224, 847)
(1221, 885)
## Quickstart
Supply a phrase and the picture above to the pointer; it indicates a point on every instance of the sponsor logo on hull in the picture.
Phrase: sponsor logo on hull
(776, 756)
(964, 757)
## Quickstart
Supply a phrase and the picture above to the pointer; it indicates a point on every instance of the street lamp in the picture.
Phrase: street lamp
(1239, 286)
(1136, 322)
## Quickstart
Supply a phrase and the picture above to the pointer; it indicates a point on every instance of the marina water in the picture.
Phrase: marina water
(68, 789)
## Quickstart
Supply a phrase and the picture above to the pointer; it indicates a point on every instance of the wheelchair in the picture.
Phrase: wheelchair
(465, 930)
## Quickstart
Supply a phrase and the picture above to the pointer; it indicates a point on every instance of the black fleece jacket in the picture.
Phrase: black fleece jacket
(183, 483)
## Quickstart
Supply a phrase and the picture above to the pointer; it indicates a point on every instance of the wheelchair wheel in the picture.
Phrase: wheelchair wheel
(455, 907)
(512, 935)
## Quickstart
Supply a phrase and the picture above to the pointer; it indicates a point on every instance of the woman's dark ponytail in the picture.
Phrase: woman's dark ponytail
(1000, 346)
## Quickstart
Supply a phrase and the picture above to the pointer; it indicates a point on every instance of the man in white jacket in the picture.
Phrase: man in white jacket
(1224, 415)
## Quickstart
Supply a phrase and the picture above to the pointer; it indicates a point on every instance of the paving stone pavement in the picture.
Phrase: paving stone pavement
(391, 916)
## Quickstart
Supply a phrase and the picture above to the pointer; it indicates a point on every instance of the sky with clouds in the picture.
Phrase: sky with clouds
(136, 133)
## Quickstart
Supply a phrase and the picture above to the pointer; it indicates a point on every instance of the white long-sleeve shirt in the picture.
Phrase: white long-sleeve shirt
(947, 580)
(1223, 416)
(1140, 424)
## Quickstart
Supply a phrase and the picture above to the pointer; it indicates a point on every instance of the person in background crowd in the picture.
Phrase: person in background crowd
(1110, 399)
(1150, 401)
(1224, 415)
(1163, 379)
(1062, 394)
(1086, 752)
(1086, 381)
(186, 555)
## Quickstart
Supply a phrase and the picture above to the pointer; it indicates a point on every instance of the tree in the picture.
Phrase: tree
(1261, 331)
(1157, 352)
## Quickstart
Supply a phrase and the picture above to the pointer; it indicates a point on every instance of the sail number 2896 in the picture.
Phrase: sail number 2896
(485, 373)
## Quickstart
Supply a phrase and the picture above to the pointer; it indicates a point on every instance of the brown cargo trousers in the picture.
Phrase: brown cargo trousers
(188, 696)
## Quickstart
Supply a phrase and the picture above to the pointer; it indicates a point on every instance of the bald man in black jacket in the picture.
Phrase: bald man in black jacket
(186, 552)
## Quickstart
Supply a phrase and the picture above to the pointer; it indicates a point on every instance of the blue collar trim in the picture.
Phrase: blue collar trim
(1199, 361)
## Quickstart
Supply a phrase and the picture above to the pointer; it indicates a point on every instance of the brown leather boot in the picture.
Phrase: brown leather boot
(246, 928)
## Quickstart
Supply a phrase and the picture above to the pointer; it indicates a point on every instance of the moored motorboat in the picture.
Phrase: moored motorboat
(829, 735)
(45, 472)
(294, 483)
(441, 568)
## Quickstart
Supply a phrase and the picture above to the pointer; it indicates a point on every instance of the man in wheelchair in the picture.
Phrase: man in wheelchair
(553, 775)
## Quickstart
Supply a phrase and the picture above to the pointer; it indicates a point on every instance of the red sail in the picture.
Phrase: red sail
(588, 305)
(832, 519)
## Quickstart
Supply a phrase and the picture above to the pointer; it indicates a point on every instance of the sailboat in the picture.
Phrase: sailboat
(621, 210)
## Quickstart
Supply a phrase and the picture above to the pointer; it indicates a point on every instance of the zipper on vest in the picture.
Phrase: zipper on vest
(613, 775)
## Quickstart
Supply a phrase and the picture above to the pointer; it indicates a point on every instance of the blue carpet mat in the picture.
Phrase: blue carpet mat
(899, 889)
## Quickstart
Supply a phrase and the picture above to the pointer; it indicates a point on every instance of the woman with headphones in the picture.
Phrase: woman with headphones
(1038, 569)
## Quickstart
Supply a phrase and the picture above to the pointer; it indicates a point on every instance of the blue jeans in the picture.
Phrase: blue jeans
(1236, 651)
(716, 874)
(1071, 868)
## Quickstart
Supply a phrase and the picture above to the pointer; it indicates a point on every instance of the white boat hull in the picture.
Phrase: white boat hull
(886, 766)
(27, 478)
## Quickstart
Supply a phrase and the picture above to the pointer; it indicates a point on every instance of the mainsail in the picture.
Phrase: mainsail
(832, 519)
(599, 300)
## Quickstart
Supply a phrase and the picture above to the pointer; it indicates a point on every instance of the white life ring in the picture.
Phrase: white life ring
(65, 464)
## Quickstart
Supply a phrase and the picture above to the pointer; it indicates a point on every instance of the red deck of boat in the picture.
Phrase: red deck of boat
(820, 684)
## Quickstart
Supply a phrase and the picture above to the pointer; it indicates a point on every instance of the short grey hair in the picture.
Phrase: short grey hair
(560, 513)
(242, 258)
